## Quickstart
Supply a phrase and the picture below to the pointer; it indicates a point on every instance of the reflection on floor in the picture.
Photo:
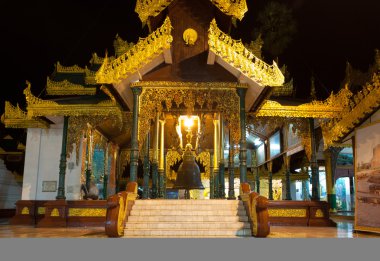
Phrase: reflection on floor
(343, 230)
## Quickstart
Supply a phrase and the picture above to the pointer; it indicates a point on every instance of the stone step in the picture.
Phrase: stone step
(188, 207)
(187, 225)
(136, 212)
(188, 202)
(187, 218)
(191, 232)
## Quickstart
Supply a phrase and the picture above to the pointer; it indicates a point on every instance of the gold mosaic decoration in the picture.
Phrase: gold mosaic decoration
(68, 69)
(319, 213)
(67, 88)
(172, 158)
(223, 100)
(89, 76)
(361, 105)
(137, 56)
(234, 52)
(87, 212)
(14, 117)
(25, 211)
(54, 213)
(284, 212)
(205, 159)
(235, 8)
(146, 8)
(41, 211)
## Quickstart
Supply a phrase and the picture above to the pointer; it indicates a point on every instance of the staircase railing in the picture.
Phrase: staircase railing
(118, 208)
(257, 210)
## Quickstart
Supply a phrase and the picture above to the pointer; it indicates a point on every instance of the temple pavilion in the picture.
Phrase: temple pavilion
(129, 114)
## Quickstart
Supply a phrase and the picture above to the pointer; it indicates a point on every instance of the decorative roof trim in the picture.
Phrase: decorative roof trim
(14, 117)
(235, 8)
(189, 85)
(233, 52)
(136, 57)
(146, 8)
(67, 88)
(69, 69)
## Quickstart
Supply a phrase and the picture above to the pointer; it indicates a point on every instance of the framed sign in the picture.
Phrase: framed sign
(49, 186)
(367, 177)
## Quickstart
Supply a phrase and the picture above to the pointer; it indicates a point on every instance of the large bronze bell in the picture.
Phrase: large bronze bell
(188, 175)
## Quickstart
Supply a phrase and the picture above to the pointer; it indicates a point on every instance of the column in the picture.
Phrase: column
(256, 169)
(352, 194)
(106, 174)
(216, 156)
(243, 141)
(331, 157)
(146, 168)
(287, 177)
(314, 163)
(222, 193)
(62, 163)
(155, 158)
(89, 156)
(161, 166)
(231, 174)
(270, 189)
(134, 140)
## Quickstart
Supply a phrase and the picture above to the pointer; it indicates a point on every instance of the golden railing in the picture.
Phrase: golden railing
(234, 52)
(136, 57)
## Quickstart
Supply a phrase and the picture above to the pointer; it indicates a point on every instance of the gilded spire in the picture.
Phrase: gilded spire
(234, 8)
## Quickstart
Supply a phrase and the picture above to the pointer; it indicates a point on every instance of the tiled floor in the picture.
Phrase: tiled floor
(344, 230)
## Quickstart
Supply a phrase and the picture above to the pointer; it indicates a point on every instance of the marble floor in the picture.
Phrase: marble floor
(344, 229)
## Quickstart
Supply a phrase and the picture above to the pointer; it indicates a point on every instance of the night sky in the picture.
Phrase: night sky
(37, 34)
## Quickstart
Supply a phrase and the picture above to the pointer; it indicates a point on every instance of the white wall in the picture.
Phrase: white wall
(42, 157)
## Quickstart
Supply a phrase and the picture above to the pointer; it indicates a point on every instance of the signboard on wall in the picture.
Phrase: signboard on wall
(367, 177)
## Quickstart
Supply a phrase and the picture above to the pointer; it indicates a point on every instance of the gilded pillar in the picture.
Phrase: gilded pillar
(134, 142)
(155, 158)
(331, 157)
(146, 168)
(231, 174)
(222, 193)
(161, 164)
(243, 141)
(270, 181)
(62, 163)
(216, 156)
(314, 163)
(287, 177)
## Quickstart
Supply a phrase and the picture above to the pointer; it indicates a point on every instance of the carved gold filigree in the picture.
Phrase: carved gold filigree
(95, 59)
(172, 158)
(136, 57)
(14, 117)
(223, 100)
(67, 88)
(25, 211)
(361, 105)
(87, 212)
(41, 210)
(190, 36)
(89, 76)
(38, 107)
(146, 8)
(205, 159)
(189, 85)
(284, 212)
(54, 213)
(235, 8)
(68, 69)
(233, 52)
(121, 46)
(285, 90)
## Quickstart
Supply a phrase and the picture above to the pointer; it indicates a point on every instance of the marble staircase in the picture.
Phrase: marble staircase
(187, 218)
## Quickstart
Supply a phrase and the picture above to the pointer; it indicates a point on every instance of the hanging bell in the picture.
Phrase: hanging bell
(188, 175)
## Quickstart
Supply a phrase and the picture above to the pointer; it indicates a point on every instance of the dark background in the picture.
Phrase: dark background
(37, 34)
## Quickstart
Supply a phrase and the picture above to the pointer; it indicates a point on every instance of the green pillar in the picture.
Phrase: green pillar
(161, 166)
(313, 163)
(331, 157)
(212, 185)
(105, 179)
(146, 168)
(231, 174)
(134, 142)
(155, 158)
(257, 180)
(287, 177)
(222, 185)
(62, 163)
(270, 181)
(243, 141)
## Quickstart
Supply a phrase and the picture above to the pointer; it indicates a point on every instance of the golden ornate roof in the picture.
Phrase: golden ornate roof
(146, 8)
(68, 69)
(363, 104)
(67, 88)
(233, 52)
(235, 8)
(332, 107)
(136, 57)
(14, 117)
(285, 90)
